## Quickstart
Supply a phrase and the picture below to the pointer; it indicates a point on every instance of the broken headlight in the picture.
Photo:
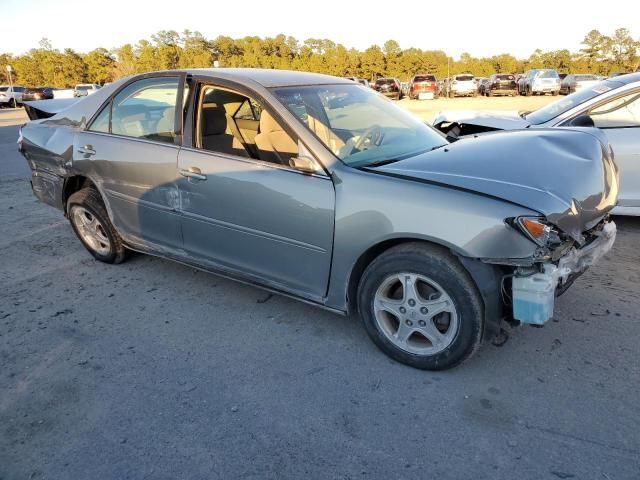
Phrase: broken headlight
(538, 230)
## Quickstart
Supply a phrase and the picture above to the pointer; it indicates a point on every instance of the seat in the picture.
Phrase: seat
(274, 144)
(216, 134)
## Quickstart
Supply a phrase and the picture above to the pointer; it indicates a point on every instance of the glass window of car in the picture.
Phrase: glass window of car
(101, 122)
(547, 74)
(565, 104)
(585, 77)
(143, 109)
(622, 112)
(424, 78)
(360, 127)
(249, 110)
(464, 78)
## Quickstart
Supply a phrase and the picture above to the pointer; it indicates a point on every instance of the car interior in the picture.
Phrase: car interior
(231, 123)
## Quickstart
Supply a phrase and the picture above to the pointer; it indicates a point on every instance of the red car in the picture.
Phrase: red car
(423, 86)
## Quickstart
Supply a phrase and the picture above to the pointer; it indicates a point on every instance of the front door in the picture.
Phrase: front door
(245, 212)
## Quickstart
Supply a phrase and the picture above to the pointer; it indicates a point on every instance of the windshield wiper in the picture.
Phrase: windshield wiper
(380, 163)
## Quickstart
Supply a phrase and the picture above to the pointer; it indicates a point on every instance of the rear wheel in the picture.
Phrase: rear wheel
(420, 307)
(91, 223)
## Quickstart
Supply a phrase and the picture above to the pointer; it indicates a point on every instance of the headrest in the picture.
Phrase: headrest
(268, 124)
(213, 121)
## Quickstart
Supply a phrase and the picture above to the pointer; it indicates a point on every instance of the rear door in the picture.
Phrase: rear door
(130, 150)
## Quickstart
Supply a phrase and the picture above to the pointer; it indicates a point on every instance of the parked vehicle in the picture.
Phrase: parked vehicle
(574, 82)
(389, 87)
(37, 93)
(612, 106)
(278, 179)
(361, 81)
(482, 85)
(479, 82)
(540, 81)
(423, 87)
(462, 85)
(11, 95)
(84, 89)
(501, 84)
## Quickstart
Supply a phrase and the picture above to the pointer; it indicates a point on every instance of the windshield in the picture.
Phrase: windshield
(505, 77)
(358, 125)
(385, 81)
(464, 78)
(567, 103)
(83, 87)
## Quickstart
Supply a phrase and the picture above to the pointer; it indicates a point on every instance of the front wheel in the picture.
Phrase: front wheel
(420, 306)
(12, 103)
(91, 223)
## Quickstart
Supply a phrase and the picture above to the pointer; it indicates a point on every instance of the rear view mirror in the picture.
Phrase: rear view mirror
(303, 164)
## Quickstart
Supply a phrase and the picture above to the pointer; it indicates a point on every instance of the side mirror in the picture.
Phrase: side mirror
(303, 164)
(582, 120)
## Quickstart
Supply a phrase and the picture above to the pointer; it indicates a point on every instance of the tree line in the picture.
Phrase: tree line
(46, 66)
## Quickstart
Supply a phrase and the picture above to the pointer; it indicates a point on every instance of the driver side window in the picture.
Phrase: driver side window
(623, 112)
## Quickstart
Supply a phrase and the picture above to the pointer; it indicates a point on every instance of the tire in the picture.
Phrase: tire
(12, 103)
(457, 331)
(451, 94)
(489, 93)
(90, 222)
(528, 92)
(555, 93)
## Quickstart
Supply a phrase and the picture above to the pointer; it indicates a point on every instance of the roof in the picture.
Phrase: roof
(269, 78)
(627, 79)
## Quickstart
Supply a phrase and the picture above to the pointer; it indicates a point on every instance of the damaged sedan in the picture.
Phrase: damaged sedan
(612, 106)
(317, 188)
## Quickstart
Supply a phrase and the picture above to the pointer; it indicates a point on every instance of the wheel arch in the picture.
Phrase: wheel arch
(74, 184)
(486, 277)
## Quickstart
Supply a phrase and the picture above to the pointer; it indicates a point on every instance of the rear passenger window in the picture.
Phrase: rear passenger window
(145, 109)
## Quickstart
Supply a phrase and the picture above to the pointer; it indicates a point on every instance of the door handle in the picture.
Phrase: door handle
(87, 150)
(193, 173)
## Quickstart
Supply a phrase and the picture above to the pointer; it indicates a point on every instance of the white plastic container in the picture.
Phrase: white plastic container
(533, 296)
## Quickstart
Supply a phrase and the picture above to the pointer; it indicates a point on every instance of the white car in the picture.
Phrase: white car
(461, 85)
(612, 106)
(84, 89)
(11, 95)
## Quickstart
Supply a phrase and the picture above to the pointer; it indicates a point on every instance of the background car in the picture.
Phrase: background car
(84, 89)
(501, 84)
(540, 81)
(389, 87)
(11, 95)
(463, 84)
(576, 81)
(479, 82)
(37, 93)
(612, 106)
(423, 87)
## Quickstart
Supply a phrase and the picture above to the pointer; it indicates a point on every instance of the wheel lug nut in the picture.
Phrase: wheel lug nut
(403, 310)
(424, 310)
(412, 302)
(422, 323)
(409, 322)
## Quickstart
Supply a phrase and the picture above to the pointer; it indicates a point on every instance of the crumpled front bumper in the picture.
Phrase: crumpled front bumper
(533, 295)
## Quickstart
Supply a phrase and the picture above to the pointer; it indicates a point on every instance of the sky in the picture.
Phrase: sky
(469, 26)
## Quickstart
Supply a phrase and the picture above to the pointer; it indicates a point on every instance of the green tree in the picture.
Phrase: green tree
(100, 66)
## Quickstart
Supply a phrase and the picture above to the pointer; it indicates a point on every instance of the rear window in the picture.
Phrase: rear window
(424, 78)
(464, 78)
(385, 81)
(505, 77)
(548, 74)
(4, 89)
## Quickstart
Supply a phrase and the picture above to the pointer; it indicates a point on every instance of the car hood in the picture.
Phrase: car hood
(568, 175)
(494, 119)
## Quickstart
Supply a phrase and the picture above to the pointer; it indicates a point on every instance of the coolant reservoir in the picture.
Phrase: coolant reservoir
(533, 296)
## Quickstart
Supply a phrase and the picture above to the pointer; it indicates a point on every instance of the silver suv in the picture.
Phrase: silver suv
(11, 95)
(540, 81)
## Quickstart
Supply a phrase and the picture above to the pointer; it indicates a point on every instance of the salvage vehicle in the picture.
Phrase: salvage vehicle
(389, 87)
(84, 89)
(462, 85)
(612, 106)
(423, 87)
(574, 82)
(540, 82)
(316, 188)
(500, 84)
(37, 93)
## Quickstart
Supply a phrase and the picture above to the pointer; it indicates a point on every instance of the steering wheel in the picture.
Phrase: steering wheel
(372, 136)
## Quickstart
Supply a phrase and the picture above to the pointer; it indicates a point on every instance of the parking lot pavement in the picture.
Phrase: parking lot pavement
(151, 369)
(11, 164)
